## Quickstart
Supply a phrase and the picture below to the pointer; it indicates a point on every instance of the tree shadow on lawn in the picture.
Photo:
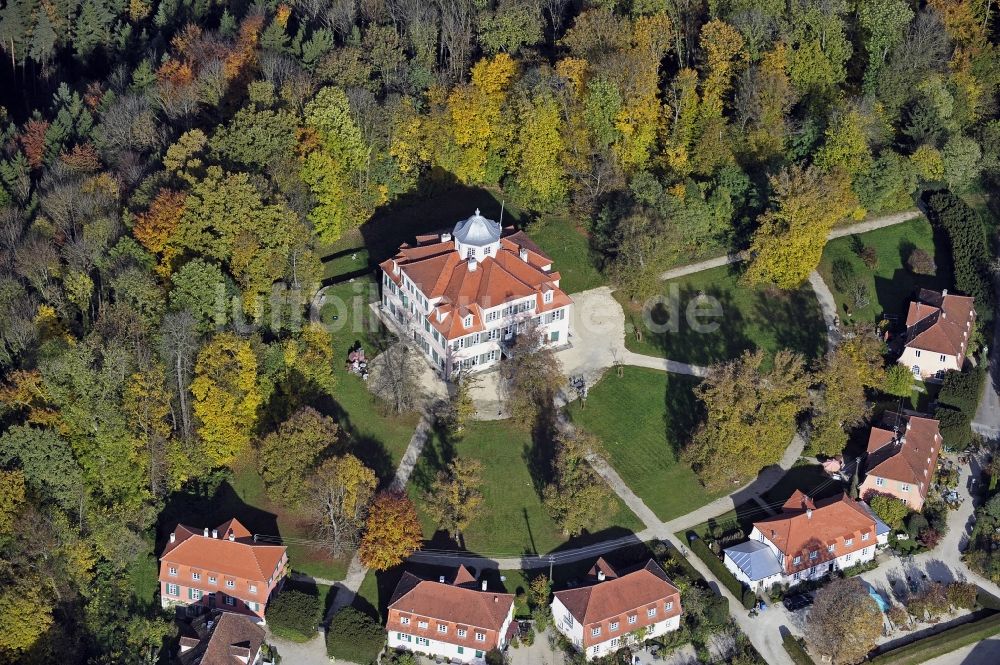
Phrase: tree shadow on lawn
(682, 411)
(784, 313)
(807, 478)
(207, 503)
(438, 452)
(726, 338)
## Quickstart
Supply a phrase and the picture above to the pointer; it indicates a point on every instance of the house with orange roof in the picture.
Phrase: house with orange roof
(901, 458)
(807, 540)
(938, 327)
(613, 610)
(223, 638)
(456, 617)
(462, 296)
(222, 568)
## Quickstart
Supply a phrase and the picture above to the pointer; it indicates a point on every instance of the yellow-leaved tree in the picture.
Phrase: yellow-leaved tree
(789, 242)
(226, 397)
(541, 177)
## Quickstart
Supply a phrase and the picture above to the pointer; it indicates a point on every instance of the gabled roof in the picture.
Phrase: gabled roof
(805, 526)
(904, 447)
(938, 322)
(237, 557)
(755, 559)
(617, 595)
(234, 640)
(452, 602)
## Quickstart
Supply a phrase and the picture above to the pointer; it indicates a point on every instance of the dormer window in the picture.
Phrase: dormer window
(547, 297)
(468, 321)
(470, 252)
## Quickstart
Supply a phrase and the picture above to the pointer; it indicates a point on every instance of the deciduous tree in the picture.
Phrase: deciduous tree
(577, 497)
(792, 234)
(287, 455)
(751, 416)
(226, 397)
(844, 622)
(340, 492)
(530, 377)
(454, 497)
(392, 532)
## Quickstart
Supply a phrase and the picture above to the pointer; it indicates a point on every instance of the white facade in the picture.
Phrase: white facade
(927, 364)
(566, 624)
(841, 562)
(411, 311)
(444, 649)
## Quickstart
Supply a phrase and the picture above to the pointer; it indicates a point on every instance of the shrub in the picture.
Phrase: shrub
(796, 650)
(962, 595)
(294, 614)
(870, 257)
(889, 509)
(494, 657)
(930, 538)
(916, 523)
(843, 275)
(737, 588)
(931, 603)
(354, 636)
(920, 262)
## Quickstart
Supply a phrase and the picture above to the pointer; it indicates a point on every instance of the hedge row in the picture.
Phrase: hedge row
(795, 649)
(942, 643)
(746, 596)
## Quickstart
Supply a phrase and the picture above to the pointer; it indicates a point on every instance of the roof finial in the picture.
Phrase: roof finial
(477, 212)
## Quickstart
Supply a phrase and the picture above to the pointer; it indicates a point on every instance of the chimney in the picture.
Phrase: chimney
(944, 292)
(215, 533)
(173, 536)
(232, 536)
(908, 425)
(473, 264)
(523, 254)
(395, 267)
(601, 576)
(441, 579)
(205, 532)
(809, 513)
(496, 599)
(484, 585)
(445, 237)
(774, 534)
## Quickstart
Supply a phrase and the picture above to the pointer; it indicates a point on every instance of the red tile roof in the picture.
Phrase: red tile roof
(904, 448)
(619, 596)
(460, 605)
(439, 272)
(240, 557)
(939, 322)
(805, 526)
(234, 640)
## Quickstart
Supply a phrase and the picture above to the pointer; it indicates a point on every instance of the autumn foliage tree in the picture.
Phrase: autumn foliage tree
(226, 397)
(454, 499)
(288, 454)
(750, 417)
(844, 622)
(577, 497)
(392, 532)
(338, 498)
(790, 239)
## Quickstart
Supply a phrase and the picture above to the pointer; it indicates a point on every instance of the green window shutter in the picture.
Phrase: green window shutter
(461, 650)
(190, 594)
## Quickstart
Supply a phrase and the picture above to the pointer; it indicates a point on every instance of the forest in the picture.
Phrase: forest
(172, 171)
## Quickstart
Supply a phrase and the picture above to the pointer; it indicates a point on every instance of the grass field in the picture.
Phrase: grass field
(890, 285)
(749, 319)
(512, 519)
(641, 419)
(569, 248)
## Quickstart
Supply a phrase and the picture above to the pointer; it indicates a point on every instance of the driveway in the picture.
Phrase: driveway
(541, 652)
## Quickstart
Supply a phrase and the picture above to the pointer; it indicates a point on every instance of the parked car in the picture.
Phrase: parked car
(798, 601)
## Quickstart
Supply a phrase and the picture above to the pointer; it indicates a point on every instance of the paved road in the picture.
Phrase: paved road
(839, 232)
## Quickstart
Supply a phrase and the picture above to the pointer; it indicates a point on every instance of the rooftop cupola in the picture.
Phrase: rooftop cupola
(477, 237)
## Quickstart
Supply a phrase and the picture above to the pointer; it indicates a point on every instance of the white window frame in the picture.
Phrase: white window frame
(547, 297)
(422, 624)
(230, 584)
(212, 579)
(196, 576)
(633, 619)
(879, 482)
(173, 589)
(669, 606)
(443, 629)
(797, 560)
(404, 620)
(651, 612)
(253, 588)
(480, 637)
(595, 632)
(848, 542)
(462, 632)
(864, 536)
(172, 570)
(614, 626)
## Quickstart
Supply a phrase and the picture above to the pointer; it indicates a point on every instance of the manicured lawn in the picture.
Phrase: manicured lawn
(512, 520)
(890, 285)
(749, 319)
(143, 576)
(642, 419)
(569, 248)
(375, 436)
